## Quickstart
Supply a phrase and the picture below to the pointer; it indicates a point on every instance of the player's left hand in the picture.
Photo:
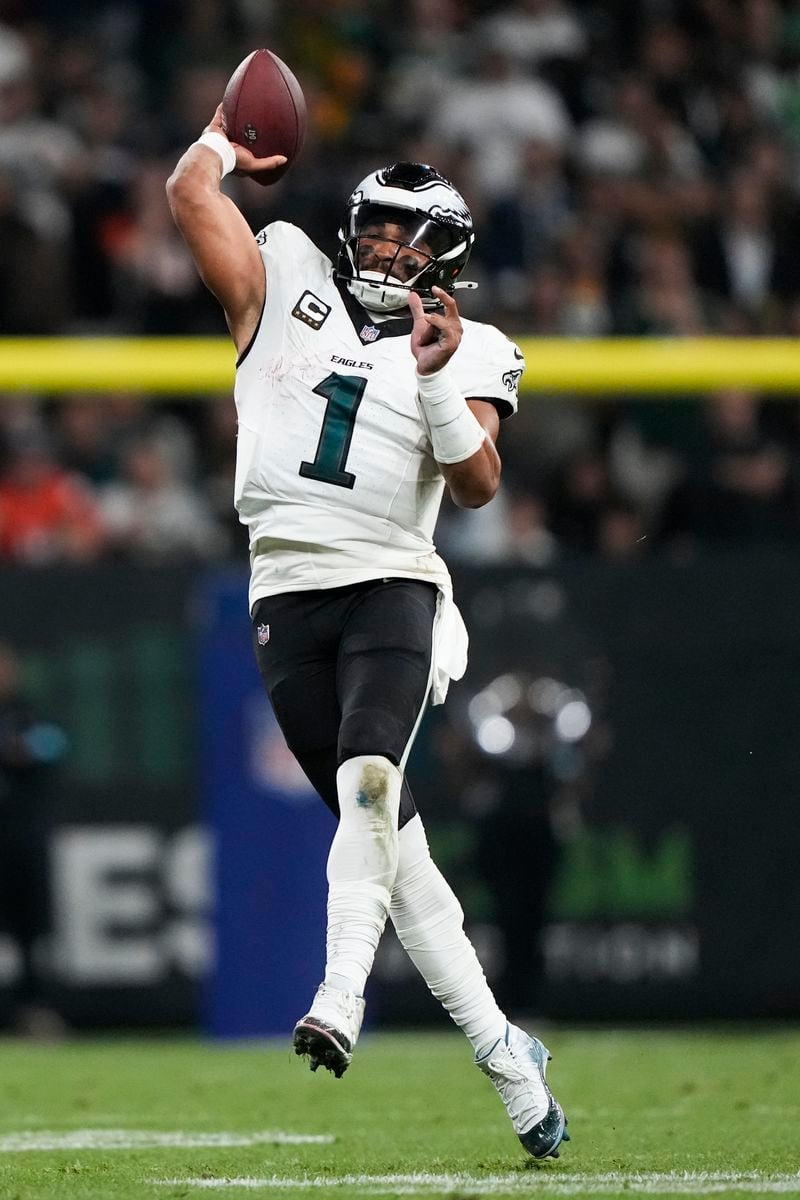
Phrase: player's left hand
(435, 337)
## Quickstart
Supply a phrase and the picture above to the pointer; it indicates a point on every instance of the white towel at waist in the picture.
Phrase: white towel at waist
(450, 644)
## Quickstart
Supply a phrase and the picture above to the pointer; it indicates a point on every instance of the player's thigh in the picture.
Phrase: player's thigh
(384, 668)
(300, 680)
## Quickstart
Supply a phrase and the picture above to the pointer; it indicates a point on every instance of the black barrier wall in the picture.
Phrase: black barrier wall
(612, 790)
(660, 816)
(113, 826)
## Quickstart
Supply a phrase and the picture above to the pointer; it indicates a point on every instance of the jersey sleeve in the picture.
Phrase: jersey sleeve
(489, 366)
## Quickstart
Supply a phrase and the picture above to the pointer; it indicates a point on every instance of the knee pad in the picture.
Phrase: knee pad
(369, 794)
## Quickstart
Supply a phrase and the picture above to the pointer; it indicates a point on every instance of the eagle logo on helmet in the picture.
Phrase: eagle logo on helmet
(461, 215)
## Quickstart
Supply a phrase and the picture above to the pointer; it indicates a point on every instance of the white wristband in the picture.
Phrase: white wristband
(220, 144)
(456, 433)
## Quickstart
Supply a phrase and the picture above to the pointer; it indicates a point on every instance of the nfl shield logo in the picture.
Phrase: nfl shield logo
(369, 333)
(263, 634)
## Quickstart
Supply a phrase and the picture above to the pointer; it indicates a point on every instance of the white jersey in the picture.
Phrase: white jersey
(335, 476)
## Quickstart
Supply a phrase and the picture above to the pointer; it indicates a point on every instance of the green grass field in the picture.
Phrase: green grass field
(661, 1113)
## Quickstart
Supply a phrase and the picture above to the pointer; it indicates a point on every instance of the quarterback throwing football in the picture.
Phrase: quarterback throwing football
(361, 394)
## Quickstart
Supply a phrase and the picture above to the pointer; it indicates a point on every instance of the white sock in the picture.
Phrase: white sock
(362, 865)
(429, 923)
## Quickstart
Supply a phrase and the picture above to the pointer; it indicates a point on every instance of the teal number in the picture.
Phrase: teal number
(344, 394)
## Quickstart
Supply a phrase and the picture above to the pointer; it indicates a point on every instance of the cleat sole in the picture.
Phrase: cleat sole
(321, 1049)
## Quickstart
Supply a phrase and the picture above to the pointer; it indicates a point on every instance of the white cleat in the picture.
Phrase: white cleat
(327, 1034)
(516, 1065)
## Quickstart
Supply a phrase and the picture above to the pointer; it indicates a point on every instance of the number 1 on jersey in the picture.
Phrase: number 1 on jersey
(344, 394)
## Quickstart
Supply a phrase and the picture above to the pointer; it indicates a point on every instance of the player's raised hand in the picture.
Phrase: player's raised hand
(435, 337)
(246, 162)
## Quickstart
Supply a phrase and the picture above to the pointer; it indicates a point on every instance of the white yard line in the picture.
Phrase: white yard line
(651, 1183)
(149, 1139)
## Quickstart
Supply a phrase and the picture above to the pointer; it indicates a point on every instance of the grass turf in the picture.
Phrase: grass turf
(638, 1101)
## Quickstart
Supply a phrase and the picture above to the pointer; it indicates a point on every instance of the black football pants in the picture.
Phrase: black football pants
(347, 671)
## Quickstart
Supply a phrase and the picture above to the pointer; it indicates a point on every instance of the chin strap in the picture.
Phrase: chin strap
(379, 296)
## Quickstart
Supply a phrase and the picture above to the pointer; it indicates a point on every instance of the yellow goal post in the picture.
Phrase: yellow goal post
(190, 366)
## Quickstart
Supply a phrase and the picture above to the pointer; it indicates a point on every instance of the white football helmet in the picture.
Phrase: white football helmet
(428, 216)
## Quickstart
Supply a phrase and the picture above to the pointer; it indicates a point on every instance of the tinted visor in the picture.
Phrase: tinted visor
(405, 226)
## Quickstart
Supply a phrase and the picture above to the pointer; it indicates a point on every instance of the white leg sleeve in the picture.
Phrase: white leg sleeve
(429, 923)
(362, 865)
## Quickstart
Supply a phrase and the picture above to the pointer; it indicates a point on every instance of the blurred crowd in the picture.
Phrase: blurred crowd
(633, 167)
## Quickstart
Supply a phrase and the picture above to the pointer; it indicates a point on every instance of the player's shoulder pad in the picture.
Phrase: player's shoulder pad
(488, 364)
(283, 241)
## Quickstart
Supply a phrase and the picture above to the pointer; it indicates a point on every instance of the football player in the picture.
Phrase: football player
(360, 395)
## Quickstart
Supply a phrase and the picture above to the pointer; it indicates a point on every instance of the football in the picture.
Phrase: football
(264, 110)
